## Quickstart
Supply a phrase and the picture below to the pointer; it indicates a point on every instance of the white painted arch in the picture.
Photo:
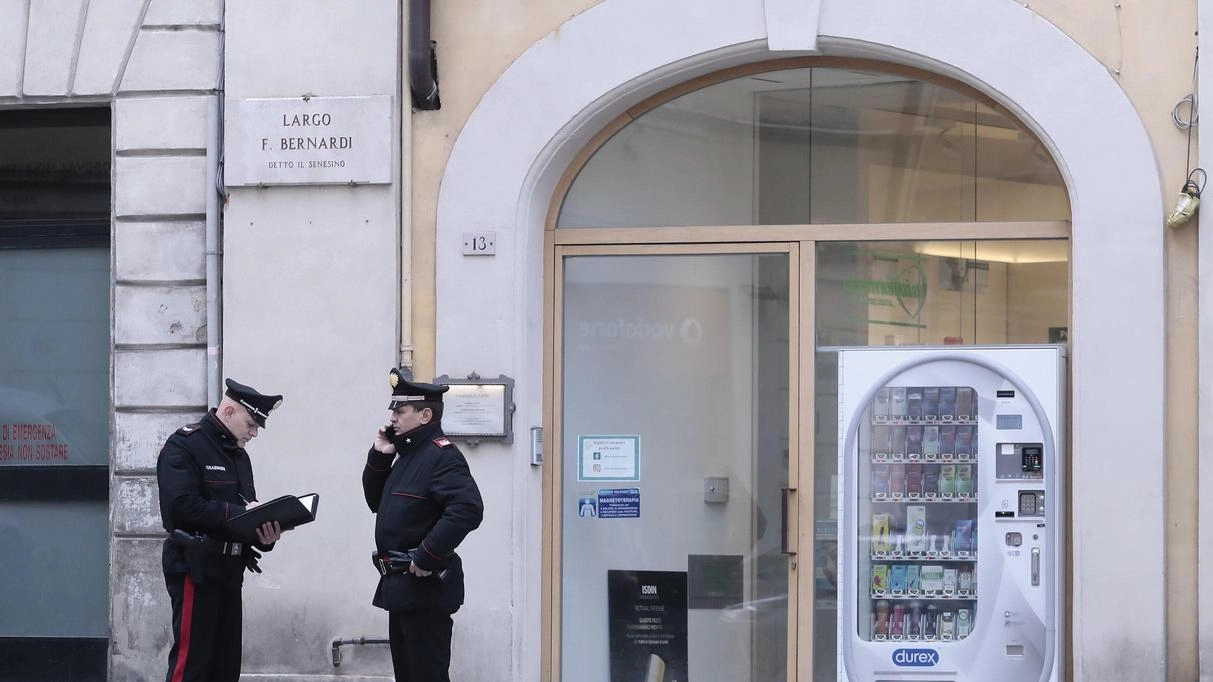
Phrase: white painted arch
(546, 106)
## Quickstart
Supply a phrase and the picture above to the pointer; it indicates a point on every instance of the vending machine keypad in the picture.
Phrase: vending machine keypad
(1031, 503)
(1032, 459)
(1019, 461)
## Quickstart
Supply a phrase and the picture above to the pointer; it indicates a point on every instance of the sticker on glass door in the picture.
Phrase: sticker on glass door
(608, 458)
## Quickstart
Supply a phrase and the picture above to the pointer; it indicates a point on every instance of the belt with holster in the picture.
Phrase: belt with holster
(198, 549)
(182, 538)
(399, 562)
(395, 562)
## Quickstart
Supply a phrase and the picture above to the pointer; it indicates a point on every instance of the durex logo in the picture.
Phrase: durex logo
(916, 658)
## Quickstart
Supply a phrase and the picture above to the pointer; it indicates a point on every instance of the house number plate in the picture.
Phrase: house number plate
(479, 243)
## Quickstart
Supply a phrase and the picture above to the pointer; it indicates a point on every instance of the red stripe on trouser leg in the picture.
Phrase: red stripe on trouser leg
(183, 638)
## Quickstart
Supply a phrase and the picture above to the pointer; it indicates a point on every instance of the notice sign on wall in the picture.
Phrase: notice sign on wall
(32, 444)
(608, 458)
(619, 503)
(312, 141)
(475, 410)
(648, 625)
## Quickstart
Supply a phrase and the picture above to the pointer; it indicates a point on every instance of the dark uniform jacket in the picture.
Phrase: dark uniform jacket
(204, 479)
(426, 503)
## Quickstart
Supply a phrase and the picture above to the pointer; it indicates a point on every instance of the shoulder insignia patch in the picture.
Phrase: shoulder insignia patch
(442, 442)
(188, 429)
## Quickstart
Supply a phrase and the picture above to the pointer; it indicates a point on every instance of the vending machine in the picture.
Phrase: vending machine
(951, 537)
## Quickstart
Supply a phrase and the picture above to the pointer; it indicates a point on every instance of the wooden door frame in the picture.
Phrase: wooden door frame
(799, 431)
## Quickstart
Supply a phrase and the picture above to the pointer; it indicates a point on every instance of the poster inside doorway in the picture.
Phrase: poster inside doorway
(648, 625)
(608, 458)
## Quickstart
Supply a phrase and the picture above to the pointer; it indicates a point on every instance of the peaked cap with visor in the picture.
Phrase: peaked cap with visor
(258, 404)
(405, 391)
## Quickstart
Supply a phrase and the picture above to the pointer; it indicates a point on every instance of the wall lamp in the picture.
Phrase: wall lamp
(1189, 199)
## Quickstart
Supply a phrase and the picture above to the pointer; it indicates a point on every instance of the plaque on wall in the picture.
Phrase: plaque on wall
(648, 625)
(308, 141)
(477, 408)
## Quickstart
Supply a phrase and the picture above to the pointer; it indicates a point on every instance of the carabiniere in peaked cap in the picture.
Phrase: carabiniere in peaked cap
(258, 404)
(405, 391)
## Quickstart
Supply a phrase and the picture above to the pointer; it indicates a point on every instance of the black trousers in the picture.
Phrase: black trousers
(207, 621)
(421, 645)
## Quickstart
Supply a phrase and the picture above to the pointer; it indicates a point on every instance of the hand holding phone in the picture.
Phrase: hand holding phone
(383, 440)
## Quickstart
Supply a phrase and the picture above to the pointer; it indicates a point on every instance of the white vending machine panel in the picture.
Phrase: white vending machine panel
(951, 541)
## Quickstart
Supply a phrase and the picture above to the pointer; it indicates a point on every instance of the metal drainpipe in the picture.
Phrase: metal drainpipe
(360, 641)
(214, 293)
(423, 60)
(404, 271)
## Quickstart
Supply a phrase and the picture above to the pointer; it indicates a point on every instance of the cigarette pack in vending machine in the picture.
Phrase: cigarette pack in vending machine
(951, 540)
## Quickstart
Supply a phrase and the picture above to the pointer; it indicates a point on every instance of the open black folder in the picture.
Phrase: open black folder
(289, 511)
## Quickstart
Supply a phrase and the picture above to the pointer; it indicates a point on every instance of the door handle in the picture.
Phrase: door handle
(785, 545)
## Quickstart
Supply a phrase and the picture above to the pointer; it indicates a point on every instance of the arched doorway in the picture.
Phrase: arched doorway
(1005, 50)
(710, 255)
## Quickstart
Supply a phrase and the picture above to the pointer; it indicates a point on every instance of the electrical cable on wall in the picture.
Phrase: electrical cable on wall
(1194, 184)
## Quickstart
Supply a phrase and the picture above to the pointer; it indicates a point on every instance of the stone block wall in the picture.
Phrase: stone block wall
(156, 63)
(159, 307)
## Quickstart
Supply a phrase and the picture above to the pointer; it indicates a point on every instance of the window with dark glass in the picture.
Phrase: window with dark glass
(54, 392)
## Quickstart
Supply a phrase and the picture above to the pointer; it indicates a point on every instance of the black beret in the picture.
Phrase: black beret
(405, 391)
(257, 404)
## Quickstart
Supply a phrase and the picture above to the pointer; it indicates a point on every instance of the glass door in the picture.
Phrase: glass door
(674, 393)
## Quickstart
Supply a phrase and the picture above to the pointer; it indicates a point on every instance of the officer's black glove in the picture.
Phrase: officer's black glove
(250, 559)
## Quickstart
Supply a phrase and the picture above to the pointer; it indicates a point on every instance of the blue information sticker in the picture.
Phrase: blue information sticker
(619, 503)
